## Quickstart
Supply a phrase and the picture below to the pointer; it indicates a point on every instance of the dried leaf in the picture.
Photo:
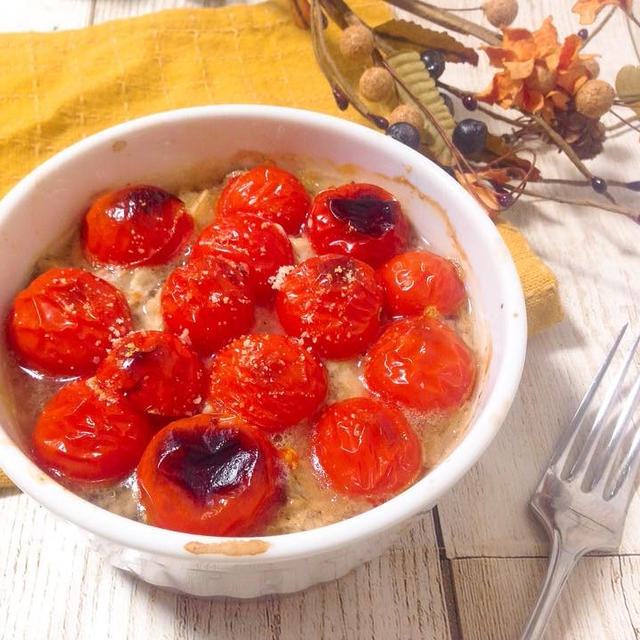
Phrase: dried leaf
(628, 86)
(413, 36)
(409, 67)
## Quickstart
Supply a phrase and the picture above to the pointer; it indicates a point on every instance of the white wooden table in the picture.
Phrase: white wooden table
(469, 569)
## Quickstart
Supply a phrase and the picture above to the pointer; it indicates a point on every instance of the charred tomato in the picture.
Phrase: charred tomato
(422, 364)
(85, 435)
(135, 226)
(156, 372)
(209, 298)
(359, 220)
(272, 381)
(366, 448)
(200, 475)
(416, 280)
(333, 303)
(246, 238)
(64, 322)
(268, 192)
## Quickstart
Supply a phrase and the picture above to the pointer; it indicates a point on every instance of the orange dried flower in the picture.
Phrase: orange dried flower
(589, 9)
(539, 75)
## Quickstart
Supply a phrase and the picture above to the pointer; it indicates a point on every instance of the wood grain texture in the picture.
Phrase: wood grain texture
(44, 15)
(495, 596)
(53, 586)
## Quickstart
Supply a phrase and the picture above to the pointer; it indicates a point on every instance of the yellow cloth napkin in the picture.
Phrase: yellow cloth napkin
(56, 88)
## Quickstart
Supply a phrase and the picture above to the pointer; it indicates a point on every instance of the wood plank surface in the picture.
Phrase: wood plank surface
(495, 596)
(52, 586)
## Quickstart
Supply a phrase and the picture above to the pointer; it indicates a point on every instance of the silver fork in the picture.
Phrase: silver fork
(584, 495)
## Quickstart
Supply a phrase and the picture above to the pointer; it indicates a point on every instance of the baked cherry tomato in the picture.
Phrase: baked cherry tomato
(156, 372)
(421, 363)
(86, 435)
(415, 280)
(262, 245)
(333, 303)
(202, 476)
(358, 220)
(211, 299)
(268, 192)
(64, 322)
(366, 448)
(135, 226)
(272, 381)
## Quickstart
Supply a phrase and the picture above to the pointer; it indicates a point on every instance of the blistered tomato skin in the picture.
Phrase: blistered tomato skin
(202, 476)
(416, 280)
(156, 372)
(366, 449)
(246, 238)
(209, 300)
(86, 436)
(268, 192)
(269, 380)
(359, 220)
(421, 364)
(333, 303)
(135, 226)
(64, 322)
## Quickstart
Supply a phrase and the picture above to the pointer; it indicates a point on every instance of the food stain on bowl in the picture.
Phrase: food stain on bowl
(235, 548)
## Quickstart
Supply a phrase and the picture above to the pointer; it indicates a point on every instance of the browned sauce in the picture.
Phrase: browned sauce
(310, 502)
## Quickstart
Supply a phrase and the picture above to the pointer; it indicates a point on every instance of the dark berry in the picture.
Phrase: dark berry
(405, 133)
(599, 185)
(379, 121)
(583, 34)
(341, 100)
(469, 102)
(470, 136)
(433, 62)
(505, 200)
(448, 102)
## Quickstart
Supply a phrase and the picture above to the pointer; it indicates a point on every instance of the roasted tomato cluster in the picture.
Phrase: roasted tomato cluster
(198, 407)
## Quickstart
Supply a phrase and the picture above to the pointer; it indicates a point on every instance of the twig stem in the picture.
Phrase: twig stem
(601, 24)
(448, 20)
(615, 208)
(460, 94)
(630, 17)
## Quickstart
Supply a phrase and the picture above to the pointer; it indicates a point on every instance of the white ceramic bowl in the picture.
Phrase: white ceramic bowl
(167, 145)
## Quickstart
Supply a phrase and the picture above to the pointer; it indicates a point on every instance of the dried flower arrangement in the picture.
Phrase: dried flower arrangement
(391, 75)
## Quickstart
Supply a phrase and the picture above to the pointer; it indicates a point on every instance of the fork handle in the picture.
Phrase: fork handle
(561, 561)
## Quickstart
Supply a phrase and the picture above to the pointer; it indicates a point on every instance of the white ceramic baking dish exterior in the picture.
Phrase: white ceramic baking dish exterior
(56, 194)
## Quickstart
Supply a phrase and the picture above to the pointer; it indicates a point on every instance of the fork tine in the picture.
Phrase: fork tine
(629, 466)
(586, 456)
(603, 464)
(563, 448)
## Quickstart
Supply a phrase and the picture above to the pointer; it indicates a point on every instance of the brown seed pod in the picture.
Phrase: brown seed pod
(500, 13)
(376, 84)
(592, 67)
(407, 113)
(356, 42)
(594, 98)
